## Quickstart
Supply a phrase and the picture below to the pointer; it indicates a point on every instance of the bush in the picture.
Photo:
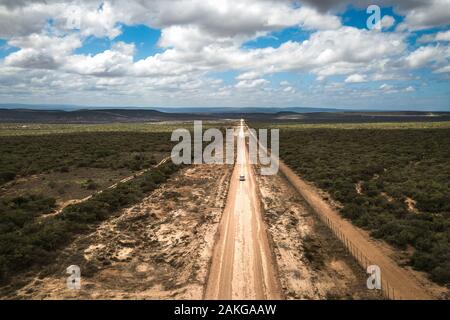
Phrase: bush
(6, 176)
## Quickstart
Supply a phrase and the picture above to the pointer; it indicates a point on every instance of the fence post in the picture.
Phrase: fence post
(387, 289)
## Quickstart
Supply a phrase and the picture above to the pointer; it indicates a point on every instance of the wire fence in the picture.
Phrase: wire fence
(387, 289)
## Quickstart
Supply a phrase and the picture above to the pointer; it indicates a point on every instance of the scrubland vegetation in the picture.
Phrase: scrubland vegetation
(394, 183)
(28, 236)
(27, 239)
(28, 155)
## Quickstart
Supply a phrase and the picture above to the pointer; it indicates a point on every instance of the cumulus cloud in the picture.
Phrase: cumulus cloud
(289, 89)
(425, 55)
(229, 18)
(251, 83)
(22, 21)
(251, 75)
(40, 51)
(443, 69)
(433, 13)
(114, 62)
(443, 36)
(387, 88)
(419, 14)
(387, 22)
(356, 78)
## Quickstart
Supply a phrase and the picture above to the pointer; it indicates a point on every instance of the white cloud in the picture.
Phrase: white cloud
(114, 62)
(100, 22)
(425, 55)
(47, 43)
(443, 69)
(251, 75)
(230, 18)
(385, 86)
(24, 21)
(40, 51)
(251, 83)
(419, 14)
(356, 78)
(326, 53)
(443, 36)
(289, 89)
(431, 14)
(387, 21)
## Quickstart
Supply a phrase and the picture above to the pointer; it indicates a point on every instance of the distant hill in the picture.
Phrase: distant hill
(142, 115)
(66, 107)
(225, 110)
(89, 116)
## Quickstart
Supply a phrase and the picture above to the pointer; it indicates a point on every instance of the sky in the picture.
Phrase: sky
(226, 53)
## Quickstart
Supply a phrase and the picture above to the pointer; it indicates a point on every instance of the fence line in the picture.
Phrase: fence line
(386, 289)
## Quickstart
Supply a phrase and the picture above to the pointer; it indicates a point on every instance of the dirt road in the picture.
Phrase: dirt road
(242, 265)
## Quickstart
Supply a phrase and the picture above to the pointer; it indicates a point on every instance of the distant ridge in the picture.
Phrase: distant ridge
(88, 116)
(246, 110)
(63, 107)
(197, 110)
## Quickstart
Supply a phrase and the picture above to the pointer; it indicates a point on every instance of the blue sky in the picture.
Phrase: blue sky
(143, 37)
(223, 53)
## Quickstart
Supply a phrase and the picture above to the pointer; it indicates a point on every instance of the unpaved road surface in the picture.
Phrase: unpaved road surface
(242, 264)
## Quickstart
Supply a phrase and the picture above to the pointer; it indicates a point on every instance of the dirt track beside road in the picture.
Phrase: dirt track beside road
(404, 282)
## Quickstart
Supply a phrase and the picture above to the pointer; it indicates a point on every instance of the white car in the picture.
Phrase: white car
(241, 177)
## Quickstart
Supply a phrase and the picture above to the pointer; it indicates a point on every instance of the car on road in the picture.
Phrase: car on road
(241, 177)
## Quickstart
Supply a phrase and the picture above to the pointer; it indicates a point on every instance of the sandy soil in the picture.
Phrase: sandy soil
(158, 249)
(312, 263)
(242, 265)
